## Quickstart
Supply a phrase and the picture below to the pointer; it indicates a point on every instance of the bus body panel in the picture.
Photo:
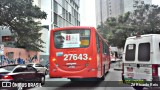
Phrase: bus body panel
(64, 62)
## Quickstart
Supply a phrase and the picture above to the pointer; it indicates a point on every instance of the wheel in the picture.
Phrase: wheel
(102, 78)
(46, 72)
(42, 80)
(138, 87)
(104, 74)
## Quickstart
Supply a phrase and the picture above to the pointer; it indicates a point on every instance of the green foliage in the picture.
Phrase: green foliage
(22, 19)
(144, 20)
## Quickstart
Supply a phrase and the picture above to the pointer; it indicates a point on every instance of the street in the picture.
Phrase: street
(113, 78)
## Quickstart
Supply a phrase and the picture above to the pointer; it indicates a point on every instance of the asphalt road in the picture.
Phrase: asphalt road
(112, 82)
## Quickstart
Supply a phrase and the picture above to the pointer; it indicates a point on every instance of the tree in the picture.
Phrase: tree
(144, 20)
(21, 16)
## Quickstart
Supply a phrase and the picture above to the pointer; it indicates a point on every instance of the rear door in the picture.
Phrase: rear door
(137, 59)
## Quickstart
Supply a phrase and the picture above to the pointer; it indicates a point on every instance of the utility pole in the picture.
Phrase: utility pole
(101, 11)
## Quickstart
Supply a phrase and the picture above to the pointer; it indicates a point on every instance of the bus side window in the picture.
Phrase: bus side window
(97, 43)
(104, 48)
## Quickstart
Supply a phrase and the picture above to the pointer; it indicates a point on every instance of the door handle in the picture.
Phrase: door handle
(138, 65)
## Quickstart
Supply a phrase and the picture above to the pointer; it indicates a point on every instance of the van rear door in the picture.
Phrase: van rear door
(137, 59)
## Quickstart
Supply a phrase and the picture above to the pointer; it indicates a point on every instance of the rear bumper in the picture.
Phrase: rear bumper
(85, 73)
(154, 83)
(156, 78)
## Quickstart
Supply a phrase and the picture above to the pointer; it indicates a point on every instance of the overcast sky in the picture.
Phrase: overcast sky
(87, 12)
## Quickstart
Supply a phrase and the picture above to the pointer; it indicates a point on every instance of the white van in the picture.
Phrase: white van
(141, 60)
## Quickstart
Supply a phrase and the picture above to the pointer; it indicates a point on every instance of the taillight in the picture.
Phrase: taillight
(7, 77)
(155, 70)
(53, 59)
(90, 58)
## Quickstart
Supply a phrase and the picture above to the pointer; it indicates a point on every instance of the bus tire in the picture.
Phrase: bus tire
(103, 77)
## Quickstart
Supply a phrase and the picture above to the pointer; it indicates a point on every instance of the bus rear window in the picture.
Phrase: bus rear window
(130, 52)
(144, 52)
(72, 39)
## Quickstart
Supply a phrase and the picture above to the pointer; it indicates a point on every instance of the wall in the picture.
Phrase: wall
(11, 56)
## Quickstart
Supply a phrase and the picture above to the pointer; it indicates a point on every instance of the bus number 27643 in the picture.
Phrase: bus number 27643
(75, 57)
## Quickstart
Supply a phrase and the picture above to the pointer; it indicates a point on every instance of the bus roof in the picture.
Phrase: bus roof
(73, 27)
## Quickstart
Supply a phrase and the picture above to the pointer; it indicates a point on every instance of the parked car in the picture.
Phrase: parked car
(39, 67)
(21, 73)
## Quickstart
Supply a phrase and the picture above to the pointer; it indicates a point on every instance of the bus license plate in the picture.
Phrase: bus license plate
(71, 66)
(130, 75)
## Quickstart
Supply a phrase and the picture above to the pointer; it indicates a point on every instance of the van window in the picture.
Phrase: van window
(144, 52)
(130, 52)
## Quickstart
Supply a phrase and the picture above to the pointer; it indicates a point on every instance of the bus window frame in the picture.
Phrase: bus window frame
(73, 29)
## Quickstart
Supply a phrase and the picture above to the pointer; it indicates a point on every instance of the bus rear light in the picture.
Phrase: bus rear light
(90, 58)
(155, 70)
(53, 59)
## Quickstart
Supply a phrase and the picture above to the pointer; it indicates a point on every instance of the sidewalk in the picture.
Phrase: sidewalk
(118, 65)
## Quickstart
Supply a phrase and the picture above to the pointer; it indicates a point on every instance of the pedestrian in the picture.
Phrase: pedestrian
(23, 61)
(19, 60)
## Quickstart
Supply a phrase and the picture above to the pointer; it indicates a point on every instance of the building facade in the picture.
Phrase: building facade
(114, 8)
(60, 13)
(107, 8)
(130, 5)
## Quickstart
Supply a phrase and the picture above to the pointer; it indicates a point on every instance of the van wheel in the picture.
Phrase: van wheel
(46, 72)
(138, 88)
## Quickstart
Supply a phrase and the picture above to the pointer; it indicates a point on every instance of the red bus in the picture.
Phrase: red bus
(78, 52)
